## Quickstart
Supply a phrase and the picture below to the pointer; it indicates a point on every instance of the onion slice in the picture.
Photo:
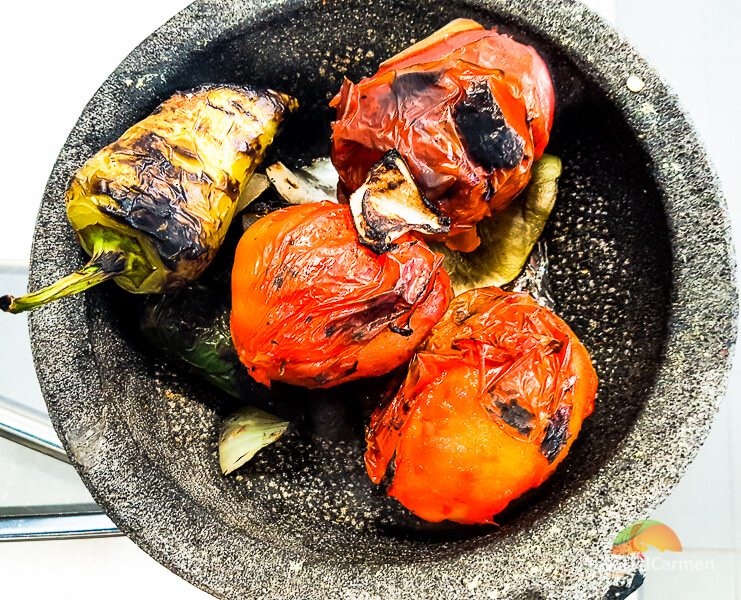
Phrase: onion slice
(244, 434)
(302, 186)
(256, 185)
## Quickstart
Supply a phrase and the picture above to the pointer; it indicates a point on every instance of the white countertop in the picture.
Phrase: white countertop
(56, 54)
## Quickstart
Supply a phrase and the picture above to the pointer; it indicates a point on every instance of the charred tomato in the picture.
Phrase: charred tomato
(489, 408)
(312, 306)
(468, 109)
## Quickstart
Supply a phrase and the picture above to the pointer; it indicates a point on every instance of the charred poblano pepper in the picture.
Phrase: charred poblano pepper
(153, 207)
(191, 326)
(508, 237)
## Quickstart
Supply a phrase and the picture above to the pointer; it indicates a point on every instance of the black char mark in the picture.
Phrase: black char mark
(516, 416)
(391, 309)
(112, 262)
(556, 434)
(623, 590)
(157, 206)
(407, 85)
(490, 140)
(369, 322)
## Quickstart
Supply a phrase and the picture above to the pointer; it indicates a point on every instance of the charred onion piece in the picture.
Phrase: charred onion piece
(490, 407)
(303, 186)
(468, 109)
(389, 204)
(152, 208)
(312, 306)
(507, 237)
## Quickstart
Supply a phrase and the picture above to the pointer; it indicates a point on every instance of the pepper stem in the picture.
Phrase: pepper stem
(100, 268)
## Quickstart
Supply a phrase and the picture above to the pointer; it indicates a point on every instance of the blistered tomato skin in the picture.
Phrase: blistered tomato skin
(311, 306)
(469, 110)
(490, 407)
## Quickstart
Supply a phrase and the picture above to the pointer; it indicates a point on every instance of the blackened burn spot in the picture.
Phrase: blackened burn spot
(157, 205)
(406, 85)
(112, 262)
(490, 140)
(380, 312)
(322, 378)
(405, 331)
(555, 345)
(556, 434)
(219, 108)
(353, 369)
(516, 416)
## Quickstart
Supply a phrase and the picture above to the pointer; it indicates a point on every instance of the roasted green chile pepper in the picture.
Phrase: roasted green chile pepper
(191, 326)
(507, 237)
(153, 207)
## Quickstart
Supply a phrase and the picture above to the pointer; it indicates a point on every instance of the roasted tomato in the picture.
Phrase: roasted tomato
(489, 408)
(467, 108)
(312, 306)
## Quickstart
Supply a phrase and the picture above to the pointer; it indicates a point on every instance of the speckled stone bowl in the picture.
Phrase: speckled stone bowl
(642, 269)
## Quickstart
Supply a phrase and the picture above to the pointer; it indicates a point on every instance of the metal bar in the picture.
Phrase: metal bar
(61, 526)
(14, 268)
(32, 428)
(29, 428)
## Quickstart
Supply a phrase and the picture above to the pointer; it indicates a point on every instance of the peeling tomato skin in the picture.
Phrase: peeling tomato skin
(490, 407)
(411, 105)
(311, 306)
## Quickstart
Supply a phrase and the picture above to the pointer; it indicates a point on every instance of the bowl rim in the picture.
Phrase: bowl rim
(699, 347)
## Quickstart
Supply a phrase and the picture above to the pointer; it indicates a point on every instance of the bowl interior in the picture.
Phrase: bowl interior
(610, 268)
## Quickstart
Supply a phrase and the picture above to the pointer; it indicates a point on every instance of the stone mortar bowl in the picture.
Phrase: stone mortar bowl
(642, 268)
